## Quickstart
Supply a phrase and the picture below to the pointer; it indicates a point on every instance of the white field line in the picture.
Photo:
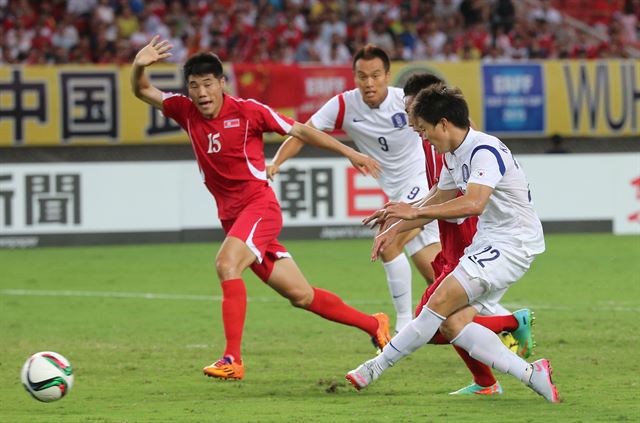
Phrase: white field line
(143, 295)
(105, 294)
(602, 306)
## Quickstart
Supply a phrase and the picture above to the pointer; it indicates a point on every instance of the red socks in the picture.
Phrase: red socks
(482, 374)
(497, 324)
(325, 304)
(234, 307)
(331, 307)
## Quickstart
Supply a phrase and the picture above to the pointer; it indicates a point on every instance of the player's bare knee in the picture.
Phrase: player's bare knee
(437, 302)
(451, 327)
(227, 268)
(390, 253)
(301, 299)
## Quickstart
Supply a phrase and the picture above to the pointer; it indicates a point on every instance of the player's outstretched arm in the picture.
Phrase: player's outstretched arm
(383, 239)
(289, 148)
(140, 85)
(472, 203)
(310, 135)
(388, 234)
(381, 218)
(430, 197)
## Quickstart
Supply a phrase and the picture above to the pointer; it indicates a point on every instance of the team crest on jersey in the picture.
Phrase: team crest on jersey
(465, 173)
(399, 120)
(231, 123)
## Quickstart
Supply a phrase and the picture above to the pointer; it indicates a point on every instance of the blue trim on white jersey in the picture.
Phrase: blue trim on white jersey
(501, 165)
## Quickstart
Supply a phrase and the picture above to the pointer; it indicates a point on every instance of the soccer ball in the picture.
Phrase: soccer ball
(47, 376)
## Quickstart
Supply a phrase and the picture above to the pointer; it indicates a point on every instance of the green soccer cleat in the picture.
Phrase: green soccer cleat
(523, 334)
(475, 389)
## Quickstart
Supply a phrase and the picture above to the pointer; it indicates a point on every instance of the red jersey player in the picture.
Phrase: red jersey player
(226, 136)
(455, 237)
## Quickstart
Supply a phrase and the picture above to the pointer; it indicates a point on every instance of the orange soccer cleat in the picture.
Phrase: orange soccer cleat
(225, 368)
(382, 337)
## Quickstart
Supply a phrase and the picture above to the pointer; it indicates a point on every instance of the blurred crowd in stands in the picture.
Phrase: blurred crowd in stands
(326, 31)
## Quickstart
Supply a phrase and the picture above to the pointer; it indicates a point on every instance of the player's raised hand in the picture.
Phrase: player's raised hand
(400, 210)
(365, 164)
(153, 52)
(272, 170)
(376, 217)
(379, 217)
(388, 222)
(381, 241)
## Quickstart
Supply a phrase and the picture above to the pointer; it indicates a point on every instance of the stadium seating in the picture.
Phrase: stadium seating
(325, 31)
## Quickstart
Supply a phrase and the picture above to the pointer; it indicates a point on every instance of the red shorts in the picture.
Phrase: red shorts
(448, 268)
(454, 238)
(438, 264)
(259, 225)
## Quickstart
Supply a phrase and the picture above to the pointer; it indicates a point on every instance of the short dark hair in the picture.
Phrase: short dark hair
(440, 101)
(370, 52)
(202, 64)
(419, 82)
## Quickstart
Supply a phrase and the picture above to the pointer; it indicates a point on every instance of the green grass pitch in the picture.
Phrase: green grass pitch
(138, 358)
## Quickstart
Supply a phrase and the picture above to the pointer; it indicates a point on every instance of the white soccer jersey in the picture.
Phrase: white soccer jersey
(509, 216)
(382, 133)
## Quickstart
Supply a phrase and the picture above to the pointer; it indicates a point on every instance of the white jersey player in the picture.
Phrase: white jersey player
(509, 216)
(374, 117)
(508, 238)
(383, 133)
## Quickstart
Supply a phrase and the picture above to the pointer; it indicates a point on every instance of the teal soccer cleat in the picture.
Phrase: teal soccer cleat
(475, 389)
(524, 334)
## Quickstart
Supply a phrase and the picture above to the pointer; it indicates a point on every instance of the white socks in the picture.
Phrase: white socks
(398, 273)
(485, 346)
(500, 311)
(414, 335)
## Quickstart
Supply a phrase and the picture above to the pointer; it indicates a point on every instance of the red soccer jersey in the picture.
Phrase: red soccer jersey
(433, 161)
(229, 148)
(454, 237)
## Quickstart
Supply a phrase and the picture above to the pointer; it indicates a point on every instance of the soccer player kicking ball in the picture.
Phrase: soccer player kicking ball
(508, 237)
(226, 136)
(455, 236)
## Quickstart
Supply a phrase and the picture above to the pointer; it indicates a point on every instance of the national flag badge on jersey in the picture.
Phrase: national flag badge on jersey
(231, 123)
(479, 173)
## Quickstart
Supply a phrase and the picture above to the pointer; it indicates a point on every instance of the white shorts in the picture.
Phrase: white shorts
(487, 271)
(430, 234)
(415, 189)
